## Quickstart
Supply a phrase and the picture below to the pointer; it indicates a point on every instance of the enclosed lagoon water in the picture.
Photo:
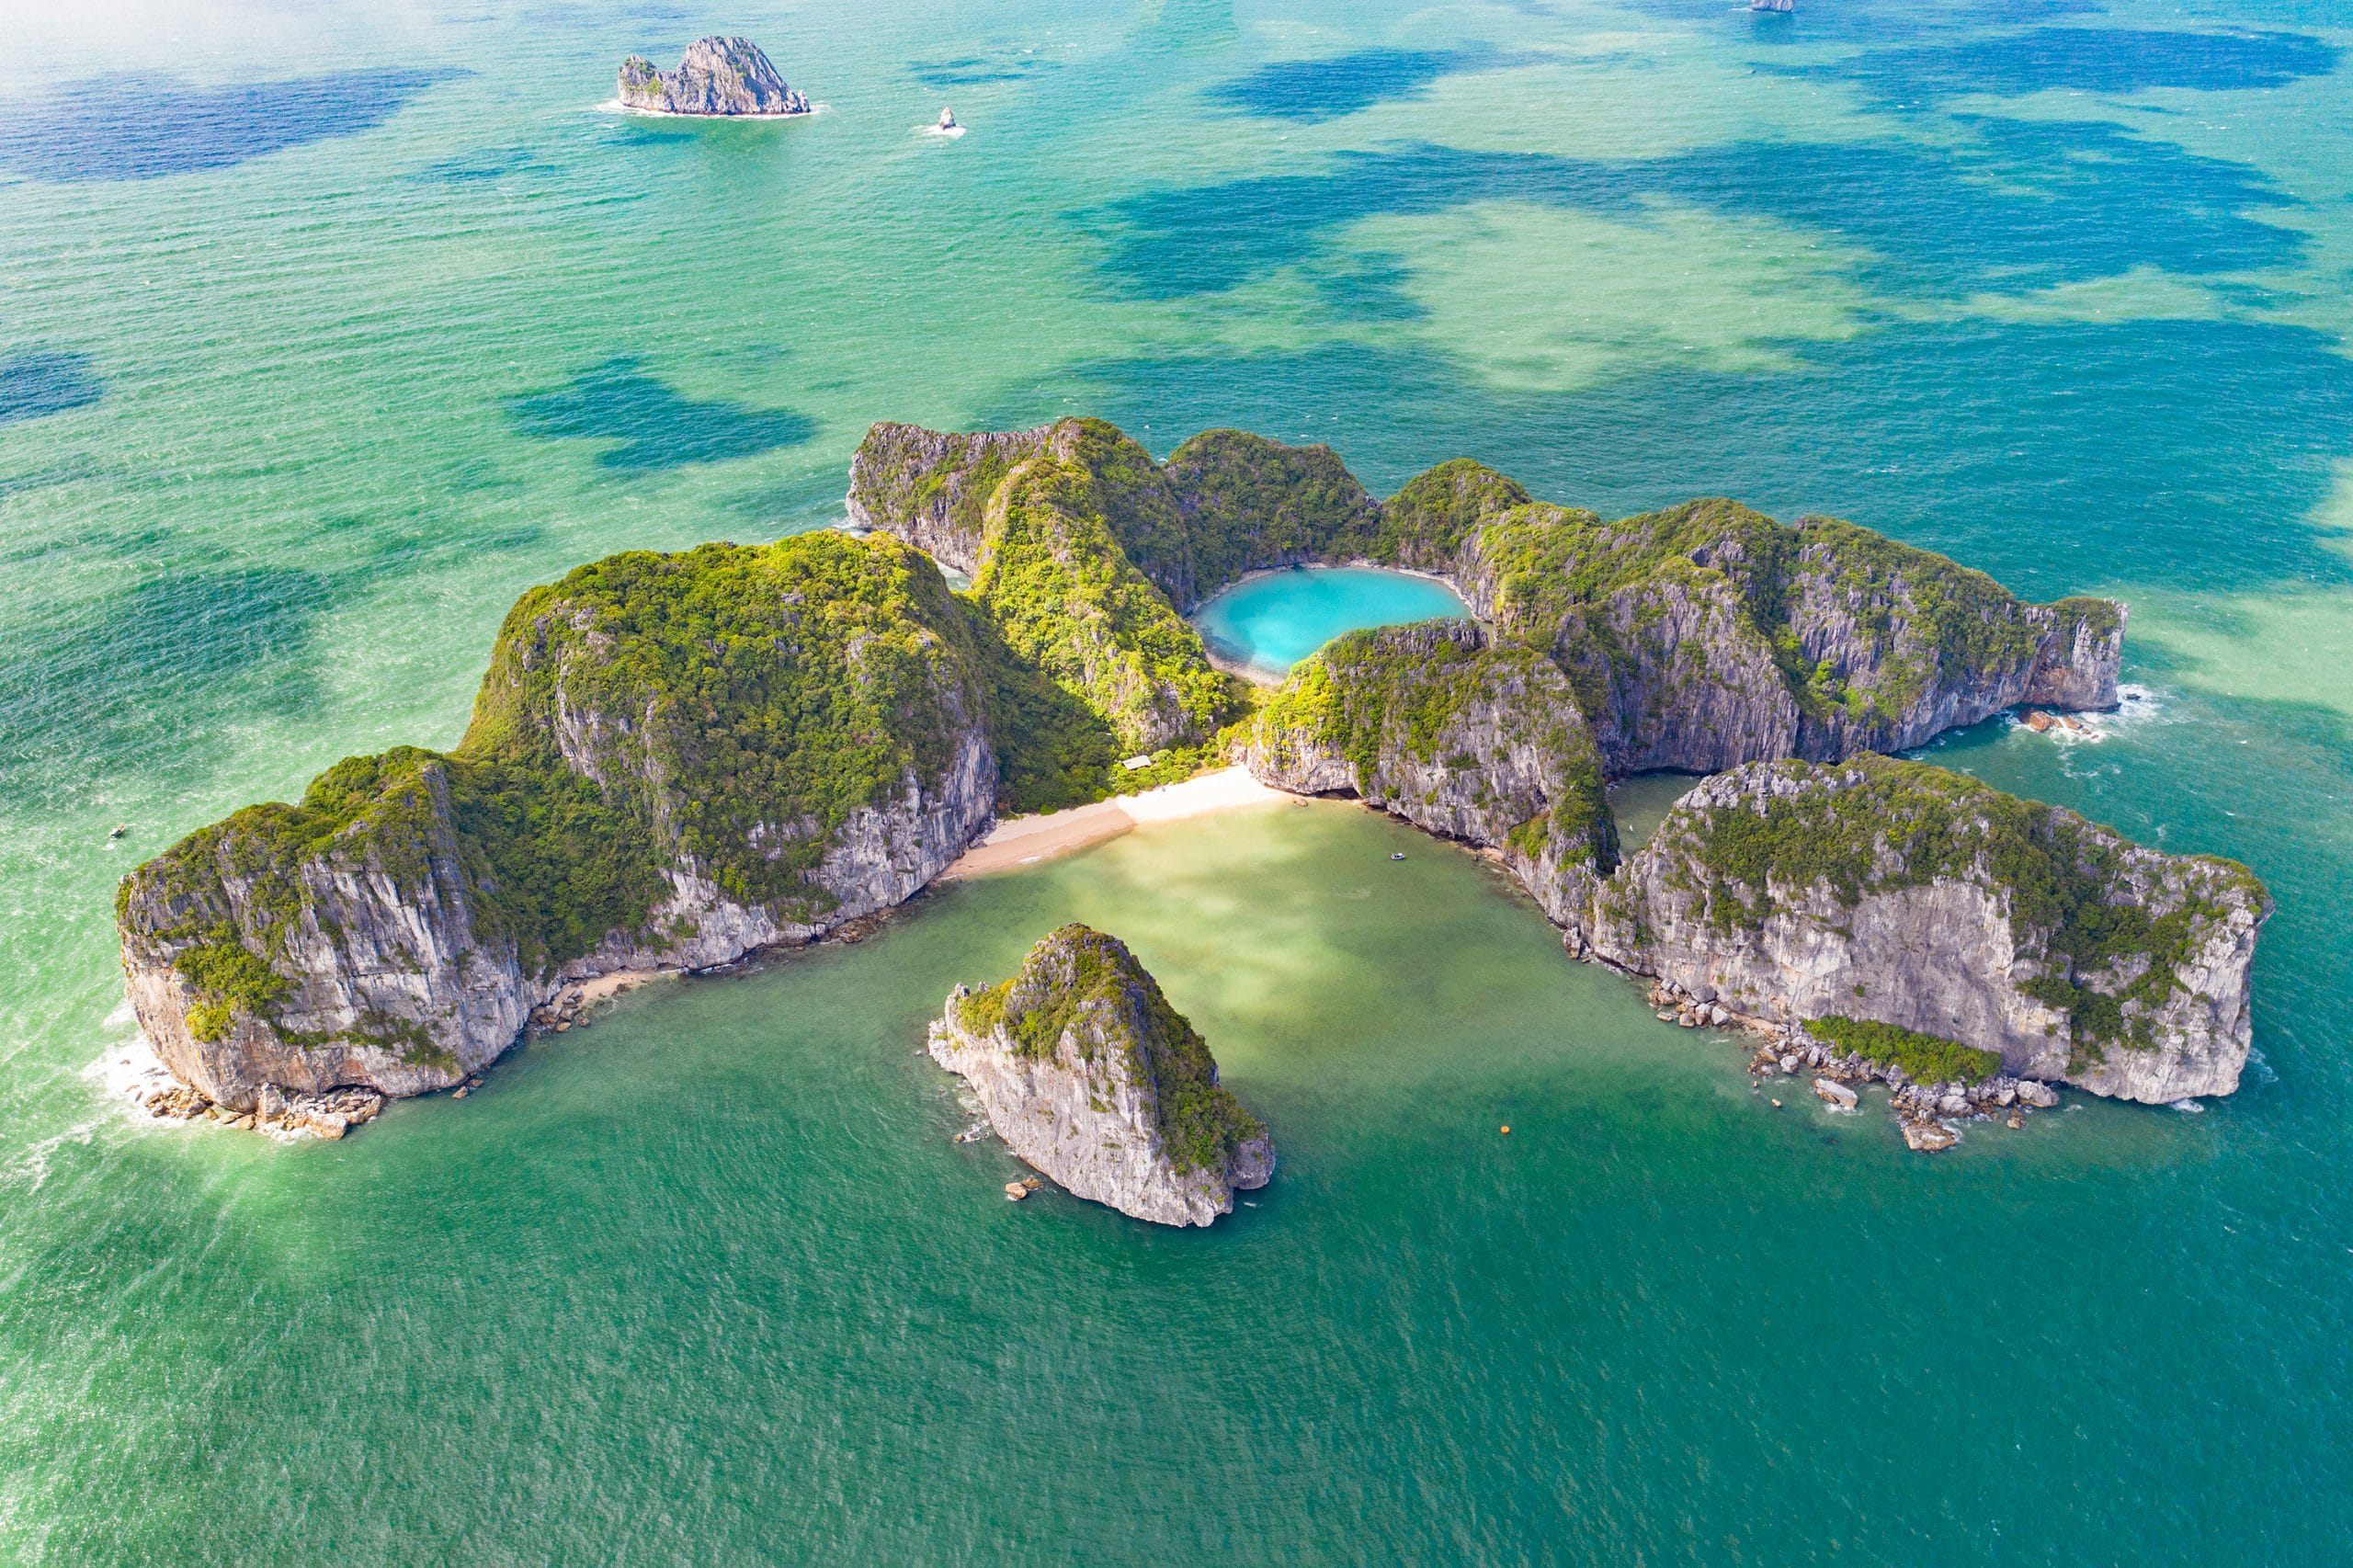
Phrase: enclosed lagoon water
(1267, 623)
(338, 332)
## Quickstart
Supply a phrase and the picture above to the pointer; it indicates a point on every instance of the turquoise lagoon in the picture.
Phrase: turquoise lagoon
(1267, 623)
(359, 322)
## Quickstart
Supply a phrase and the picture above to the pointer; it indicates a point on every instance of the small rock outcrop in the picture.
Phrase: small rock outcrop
(1090, 1075)
(674, 760)
(1915, 906)
(1459, 737)
(722, 76)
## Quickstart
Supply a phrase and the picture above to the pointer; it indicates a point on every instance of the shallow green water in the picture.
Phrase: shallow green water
(1271, 622)
(301, 385)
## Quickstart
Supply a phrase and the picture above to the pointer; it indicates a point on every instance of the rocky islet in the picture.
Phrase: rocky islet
(722, 77)
(1088, 1075)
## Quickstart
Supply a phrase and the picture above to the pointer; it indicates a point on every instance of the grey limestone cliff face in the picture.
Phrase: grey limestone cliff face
(932, 488)
(402, 984)
(1226, 503)
(1091, 1077)
(1903, 894)
(394, 930)
(2080, 649)
(1709, 635)
(1459, 737)
(719, 76)
(394, 987)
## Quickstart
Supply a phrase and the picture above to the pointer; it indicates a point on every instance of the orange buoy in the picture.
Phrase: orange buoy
(1507, 1128)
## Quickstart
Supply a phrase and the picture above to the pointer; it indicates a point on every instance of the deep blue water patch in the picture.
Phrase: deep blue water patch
(656, 426)
(485, 165)
(1864, 21)
(42, 381)
(1368, 286)
(1341, 85)
(2058, 457)
(124, 127)
(975, 70)
(2021, 205)
(2084, 59)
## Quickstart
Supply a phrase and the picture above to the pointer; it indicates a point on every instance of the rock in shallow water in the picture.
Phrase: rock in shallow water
(1089, 1074)
(721, 76)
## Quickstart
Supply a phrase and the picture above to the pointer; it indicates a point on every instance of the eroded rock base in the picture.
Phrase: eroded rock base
(1928, 1114)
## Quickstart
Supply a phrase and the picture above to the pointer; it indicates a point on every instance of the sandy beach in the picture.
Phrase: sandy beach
(1028, 840)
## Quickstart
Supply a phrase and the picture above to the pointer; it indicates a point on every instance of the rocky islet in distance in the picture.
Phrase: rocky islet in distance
(722, 77)
(630, 796)
(1090, 1075)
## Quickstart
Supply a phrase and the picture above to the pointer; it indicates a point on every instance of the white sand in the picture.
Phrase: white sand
(1025, 840)
(619, 980)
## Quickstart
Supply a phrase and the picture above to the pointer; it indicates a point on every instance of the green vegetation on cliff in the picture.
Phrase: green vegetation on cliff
(744, 701)
(1068, 602)
(1424, 524)
(1923, 1058)
(727, 709)
(1965, 621)
(2079, 613)
(1083, 985)
(1559, 575)
(1374, 695)
(2108, 947)
(1249, 502)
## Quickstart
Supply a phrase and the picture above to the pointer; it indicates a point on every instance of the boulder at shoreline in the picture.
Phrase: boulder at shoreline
(1088, 1075)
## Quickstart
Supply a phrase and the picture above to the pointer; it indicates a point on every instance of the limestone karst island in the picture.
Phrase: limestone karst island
(1071, 783)
(722, 76)
(678, 760)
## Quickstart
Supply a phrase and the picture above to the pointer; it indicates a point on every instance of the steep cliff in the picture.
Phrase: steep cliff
(1696, 639)
(1042, 520)
(1474, 741)
(1226, 503)
(1249, 503)
(673, 760)
(1709, 635)
(932, 487)
(1894, 892)
(1424, 524)
(719, 76)
(1088, 1073)
(1068, 600)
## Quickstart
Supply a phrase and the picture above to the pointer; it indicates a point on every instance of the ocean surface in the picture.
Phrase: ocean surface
(1268, 623)
(327, 330)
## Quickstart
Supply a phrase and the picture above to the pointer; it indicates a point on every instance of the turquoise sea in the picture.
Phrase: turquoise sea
(329, 329)
(1268, 623)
